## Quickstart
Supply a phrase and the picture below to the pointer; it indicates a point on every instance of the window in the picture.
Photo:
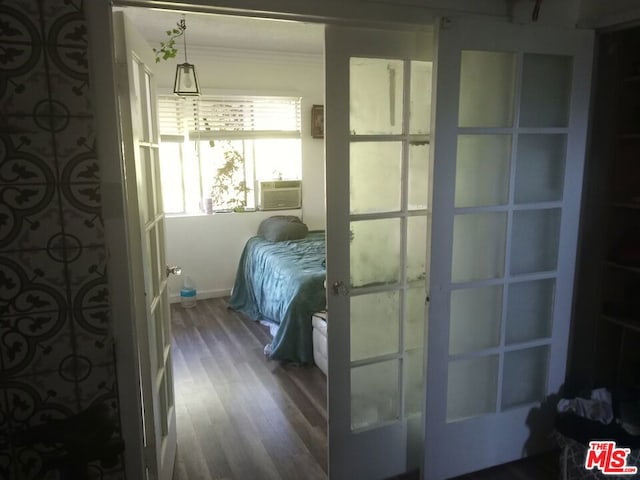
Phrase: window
(218, 147)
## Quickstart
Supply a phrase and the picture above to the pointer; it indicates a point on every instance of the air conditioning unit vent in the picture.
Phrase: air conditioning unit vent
(280, 194)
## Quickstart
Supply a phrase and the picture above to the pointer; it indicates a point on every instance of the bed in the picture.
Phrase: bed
(282, 284)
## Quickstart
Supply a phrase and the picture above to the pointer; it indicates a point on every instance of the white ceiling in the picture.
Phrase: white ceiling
(221, 31)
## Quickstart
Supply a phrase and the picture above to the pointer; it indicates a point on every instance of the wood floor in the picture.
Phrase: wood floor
(241, 416)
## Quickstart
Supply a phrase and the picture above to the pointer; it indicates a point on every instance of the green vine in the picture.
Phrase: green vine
(168, 49)
(227, 191)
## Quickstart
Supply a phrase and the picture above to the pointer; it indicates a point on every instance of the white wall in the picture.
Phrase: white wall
(208, 247)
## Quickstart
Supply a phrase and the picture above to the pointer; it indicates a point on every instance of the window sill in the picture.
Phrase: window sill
(248, 211)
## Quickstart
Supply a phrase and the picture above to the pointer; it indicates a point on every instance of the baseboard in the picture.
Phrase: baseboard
(203, 294)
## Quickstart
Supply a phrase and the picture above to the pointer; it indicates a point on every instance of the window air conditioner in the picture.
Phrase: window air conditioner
(280, 194)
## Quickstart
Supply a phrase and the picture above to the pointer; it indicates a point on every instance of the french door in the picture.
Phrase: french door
(511, 117)
(140, 139)
(378, 123)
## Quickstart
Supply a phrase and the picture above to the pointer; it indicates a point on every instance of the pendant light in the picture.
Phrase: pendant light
(186, 82)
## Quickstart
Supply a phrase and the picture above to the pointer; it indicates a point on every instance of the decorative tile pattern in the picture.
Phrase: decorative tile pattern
(20, 22)
(31, 282)
(68, 69)
(99, 387)
(29, 216)
(26, 158)
(81, 213)
(87, 278)
(33, 401)
(37, 399)
(93, 336)
(23, 83)
(75, 152)
(56, 346)
(64, 22)
(87, 227)
(34, 342)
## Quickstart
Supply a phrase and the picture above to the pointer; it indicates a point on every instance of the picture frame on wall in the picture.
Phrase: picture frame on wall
(317, 121)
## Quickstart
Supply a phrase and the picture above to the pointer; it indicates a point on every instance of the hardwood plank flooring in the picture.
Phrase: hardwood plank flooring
(241, 416)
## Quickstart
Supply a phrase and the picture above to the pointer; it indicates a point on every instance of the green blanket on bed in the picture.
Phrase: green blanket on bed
(283, 283)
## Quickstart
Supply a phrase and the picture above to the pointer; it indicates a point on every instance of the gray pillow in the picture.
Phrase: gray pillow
(282, 227)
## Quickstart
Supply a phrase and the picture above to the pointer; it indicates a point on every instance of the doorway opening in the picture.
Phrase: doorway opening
(225, 388)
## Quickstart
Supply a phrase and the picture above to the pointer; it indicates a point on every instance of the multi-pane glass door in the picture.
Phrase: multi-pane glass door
(509, 155)
(388, 175)
(378, 175)
(506, 227)
(147, 239)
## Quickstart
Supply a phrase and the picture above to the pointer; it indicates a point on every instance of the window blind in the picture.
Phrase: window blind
(228, 117)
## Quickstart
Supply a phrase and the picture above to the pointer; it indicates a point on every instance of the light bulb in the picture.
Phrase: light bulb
(187, 78)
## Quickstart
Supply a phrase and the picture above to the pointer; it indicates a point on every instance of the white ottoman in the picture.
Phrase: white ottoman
(320, 352)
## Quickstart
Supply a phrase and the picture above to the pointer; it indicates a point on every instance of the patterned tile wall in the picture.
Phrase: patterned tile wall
(56, 352)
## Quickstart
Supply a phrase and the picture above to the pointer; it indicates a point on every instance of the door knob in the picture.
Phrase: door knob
(339, 288)
(174, 269)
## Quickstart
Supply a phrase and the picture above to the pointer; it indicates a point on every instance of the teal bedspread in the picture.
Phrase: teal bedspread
(283, 283)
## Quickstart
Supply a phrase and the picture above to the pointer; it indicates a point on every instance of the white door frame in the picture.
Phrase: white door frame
(114, 204)
(115, 216)
(103, 75)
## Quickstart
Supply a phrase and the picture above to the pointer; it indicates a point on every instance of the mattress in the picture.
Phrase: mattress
(320, 350)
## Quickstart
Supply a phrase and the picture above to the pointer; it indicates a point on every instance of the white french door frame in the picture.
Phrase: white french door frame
(117, 217)
(378, 451)
(465, 35)
(114, 196)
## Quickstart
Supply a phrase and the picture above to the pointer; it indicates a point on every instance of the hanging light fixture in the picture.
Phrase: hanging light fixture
(186, 82)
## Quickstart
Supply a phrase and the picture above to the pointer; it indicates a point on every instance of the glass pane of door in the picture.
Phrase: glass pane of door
(529, 311)
(388, 176)
(376, 91)
(475, 319)
(419, 174)
(374, 394)
(482, 170)
(540, 168)
(472, 387)
(489, 243)
(546, 90)
(534, 242)
(478, 232)
(525, 376)
(375, 252)
(375, 176)
(375, 325)
(487, 89)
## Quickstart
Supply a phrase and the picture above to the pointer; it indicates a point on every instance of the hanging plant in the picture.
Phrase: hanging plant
(168, 49)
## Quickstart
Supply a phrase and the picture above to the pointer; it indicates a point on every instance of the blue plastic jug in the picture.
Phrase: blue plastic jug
(188, 294)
